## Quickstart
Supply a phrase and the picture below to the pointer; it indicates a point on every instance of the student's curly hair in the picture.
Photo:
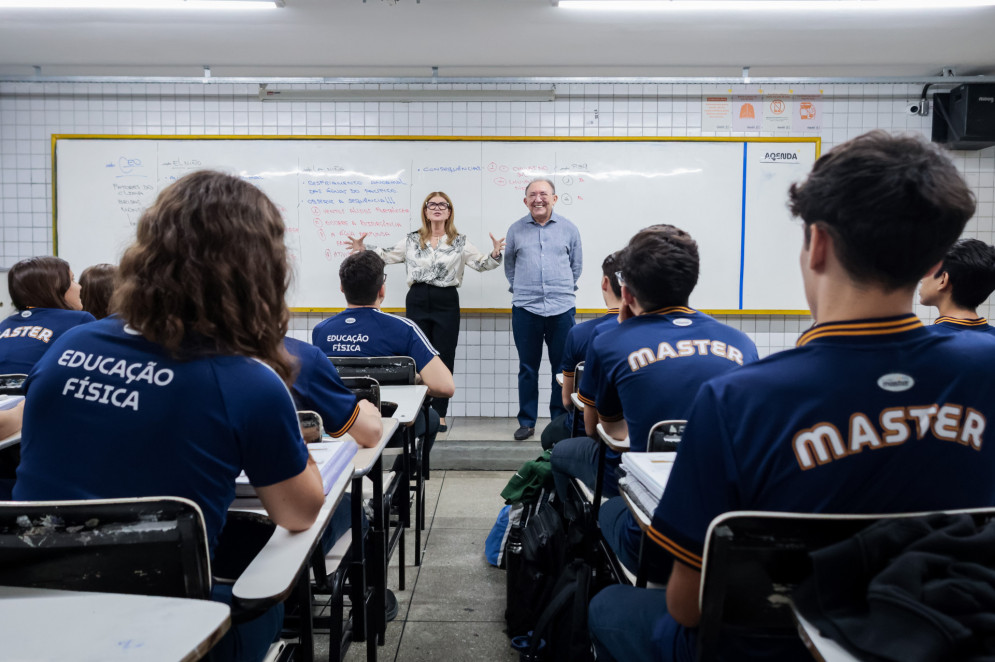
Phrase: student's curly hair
(208, 273)
(39, 282)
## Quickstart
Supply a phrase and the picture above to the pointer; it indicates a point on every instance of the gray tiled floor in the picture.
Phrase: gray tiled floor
(453, 605)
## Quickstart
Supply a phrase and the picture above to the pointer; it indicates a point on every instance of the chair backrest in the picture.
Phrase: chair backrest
(311, 424)
(12, 384)
(753, 562)
(578, 373)
(365, 388)
(142, 546)
(665, 436)
(387, 370)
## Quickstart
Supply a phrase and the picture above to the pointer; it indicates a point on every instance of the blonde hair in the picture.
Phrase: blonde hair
(425, 232)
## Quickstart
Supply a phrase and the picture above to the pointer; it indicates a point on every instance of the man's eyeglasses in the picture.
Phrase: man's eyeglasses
(436, 205)
(618, 277)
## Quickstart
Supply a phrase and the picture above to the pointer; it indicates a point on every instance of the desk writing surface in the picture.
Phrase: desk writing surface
(643, 519)
(365, 458)
(274, 569)
(409, 400)
(45, 624)
(12, 440)
(728, 193)
(822, 648)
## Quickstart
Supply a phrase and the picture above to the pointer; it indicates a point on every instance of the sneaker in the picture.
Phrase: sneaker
(523, 433)
(390, 606)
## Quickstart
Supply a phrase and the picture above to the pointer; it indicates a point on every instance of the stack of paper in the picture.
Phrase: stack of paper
(646, 477)
(332, 458)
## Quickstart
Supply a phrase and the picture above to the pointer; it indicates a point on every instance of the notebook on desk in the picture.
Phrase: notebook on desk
(650, 470)
(332, 458)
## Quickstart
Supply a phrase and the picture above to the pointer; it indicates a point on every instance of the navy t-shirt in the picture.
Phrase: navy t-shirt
(579, 339)
(109, 414)
(648, 368)
(372, 332)
(319, 388)
(948, 325)
(869, 416)
(27, 335)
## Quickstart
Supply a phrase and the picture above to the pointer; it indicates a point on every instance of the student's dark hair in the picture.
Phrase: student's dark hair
(361, 275)
(97, 285)
(609, 266)
(893, 205)
(39, 282)
(207, 273)
(970, 264)
(660, 267)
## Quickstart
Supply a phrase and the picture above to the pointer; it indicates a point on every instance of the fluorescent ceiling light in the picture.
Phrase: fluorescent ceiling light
(777, 5)
(406, 96)
(225, 5)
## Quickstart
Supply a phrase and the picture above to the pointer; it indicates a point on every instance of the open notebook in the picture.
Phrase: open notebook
(332, 458)
(646, 476)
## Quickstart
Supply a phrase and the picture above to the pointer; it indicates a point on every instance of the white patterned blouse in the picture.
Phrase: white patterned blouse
(442, 266)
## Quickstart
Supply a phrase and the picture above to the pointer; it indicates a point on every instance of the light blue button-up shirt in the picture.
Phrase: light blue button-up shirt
(543, 263)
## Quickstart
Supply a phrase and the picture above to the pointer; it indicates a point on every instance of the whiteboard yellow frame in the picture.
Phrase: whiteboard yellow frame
(742, 139)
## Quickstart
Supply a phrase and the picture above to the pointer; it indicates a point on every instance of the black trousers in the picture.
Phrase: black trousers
(436, 312)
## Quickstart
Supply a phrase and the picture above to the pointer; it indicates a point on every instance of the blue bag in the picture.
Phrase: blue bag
(496, 539)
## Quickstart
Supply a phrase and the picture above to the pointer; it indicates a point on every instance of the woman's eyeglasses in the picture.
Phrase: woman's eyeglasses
(436, 205)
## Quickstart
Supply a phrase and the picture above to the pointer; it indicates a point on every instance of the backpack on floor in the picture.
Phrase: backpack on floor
(560, 634)
(533, 563)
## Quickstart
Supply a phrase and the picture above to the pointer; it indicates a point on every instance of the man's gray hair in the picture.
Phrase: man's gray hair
(541, 179)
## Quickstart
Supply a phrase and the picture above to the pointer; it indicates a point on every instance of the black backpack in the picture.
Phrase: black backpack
(533, 564)
(560, 634)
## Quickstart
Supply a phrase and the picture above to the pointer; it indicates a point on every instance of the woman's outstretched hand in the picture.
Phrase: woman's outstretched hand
(357, 245)
(498, 246)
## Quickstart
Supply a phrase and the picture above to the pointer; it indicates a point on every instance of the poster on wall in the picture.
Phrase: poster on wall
(716, 113)
(807, 115)
(778, 111)
(747, 114)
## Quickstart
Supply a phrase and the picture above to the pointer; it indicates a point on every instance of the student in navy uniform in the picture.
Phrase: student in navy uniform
(47, 298)
(187, 385)
(319, 388)
(961, 284)
(363, 329)
(648, 367)
(575, 348)
(871, 413)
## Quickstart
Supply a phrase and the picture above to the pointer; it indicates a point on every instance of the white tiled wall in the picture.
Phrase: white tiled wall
(486, 361)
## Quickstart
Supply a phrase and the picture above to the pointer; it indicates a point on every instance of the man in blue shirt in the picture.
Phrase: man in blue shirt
(648, 367)
(961, 284)
(870, 413)
(543, 260)
(575, 349)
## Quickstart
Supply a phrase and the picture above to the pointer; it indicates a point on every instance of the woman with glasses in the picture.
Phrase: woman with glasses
(435, 256)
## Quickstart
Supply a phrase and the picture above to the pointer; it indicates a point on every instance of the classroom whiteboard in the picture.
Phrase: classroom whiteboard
(730, 194)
